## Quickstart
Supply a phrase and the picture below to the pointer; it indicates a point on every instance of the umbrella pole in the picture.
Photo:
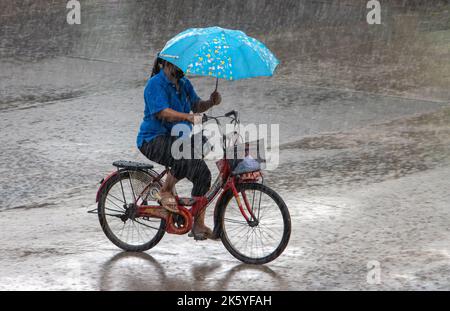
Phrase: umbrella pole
(217, 84)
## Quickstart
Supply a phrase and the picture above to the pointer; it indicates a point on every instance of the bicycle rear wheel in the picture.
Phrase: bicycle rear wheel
(266, 235)
(117, 209)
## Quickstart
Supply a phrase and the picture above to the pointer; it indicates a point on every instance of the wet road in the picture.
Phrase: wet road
(347, 206)
(339, 225)
(365, 152)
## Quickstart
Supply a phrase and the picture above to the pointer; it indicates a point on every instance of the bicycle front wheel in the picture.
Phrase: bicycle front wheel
(265, 236)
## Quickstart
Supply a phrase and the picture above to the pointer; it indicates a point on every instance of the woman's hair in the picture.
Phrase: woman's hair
(157, 65)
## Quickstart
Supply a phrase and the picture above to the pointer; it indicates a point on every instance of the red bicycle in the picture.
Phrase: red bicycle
(254, 227)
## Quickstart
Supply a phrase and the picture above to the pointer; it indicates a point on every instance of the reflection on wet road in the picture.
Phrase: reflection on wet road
(140, 271)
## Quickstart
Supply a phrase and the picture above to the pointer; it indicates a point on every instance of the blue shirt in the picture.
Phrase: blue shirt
(159, 94)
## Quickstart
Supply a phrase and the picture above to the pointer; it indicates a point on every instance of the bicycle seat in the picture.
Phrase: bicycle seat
(132, 165)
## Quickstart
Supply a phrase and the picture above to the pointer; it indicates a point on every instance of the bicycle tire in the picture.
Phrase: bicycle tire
(286, 222)
(104, 223)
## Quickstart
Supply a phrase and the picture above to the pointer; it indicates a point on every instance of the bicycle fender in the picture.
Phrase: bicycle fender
(103, 184)
(104, 181)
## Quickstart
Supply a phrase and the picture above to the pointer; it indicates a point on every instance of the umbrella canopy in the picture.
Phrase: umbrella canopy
(219, 52)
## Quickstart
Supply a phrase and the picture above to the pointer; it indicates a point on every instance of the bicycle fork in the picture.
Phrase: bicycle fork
(252, 220)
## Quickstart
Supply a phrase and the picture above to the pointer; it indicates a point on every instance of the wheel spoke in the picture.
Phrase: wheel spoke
(145, 225)
(114, 197)
(118, 206)
(114, 215)
(236, 221)
(113, 210)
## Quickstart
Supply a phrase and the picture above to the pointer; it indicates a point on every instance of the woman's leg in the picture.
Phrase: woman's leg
(159, 150)
(200, 175)
(195, 170)
(169, 183)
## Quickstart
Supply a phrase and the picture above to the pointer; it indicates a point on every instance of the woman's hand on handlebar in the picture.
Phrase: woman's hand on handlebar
(195, 118)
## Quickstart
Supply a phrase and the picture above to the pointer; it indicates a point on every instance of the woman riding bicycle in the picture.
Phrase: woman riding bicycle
(169, 98)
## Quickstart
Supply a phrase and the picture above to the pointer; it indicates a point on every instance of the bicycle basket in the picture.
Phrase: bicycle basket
(250, 150)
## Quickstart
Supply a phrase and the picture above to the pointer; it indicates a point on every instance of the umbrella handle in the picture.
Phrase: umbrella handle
(217, 84)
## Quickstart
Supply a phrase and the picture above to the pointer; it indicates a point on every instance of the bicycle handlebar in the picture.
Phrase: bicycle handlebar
(233, 114)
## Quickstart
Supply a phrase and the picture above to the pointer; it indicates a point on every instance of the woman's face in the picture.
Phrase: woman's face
(173, 71)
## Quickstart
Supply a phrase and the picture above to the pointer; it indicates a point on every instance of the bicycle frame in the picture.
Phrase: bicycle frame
(190, 208)
(223, 183)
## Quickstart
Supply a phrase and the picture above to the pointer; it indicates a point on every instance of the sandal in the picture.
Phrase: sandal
(168, 202)
(202, 235)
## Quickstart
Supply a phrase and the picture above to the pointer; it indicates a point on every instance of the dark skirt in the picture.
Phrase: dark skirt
(159, 150)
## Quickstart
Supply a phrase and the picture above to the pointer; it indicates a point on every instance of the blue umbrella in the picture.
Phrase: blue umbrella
(221, 53)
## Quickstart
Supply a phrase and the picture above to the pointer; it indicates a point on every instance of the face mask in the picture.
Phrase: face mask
(179, 74)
